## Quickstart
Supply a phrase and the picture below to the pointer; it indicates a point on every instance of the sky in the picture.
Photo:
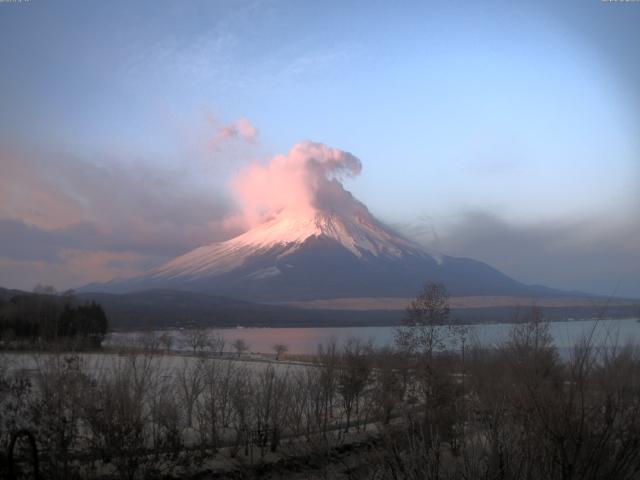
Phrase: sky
(508, 132)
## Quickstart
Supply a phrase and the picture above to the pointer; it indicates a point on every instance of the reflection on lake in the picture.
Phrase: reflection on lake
(306, 340)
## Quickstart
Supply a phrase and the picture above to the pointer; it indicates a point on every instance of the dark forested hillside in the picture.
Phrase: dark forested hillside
(38, 317)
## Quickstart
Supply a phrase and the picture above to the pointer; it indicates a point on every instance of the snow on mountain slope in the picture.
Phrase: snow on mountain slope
(361, 234)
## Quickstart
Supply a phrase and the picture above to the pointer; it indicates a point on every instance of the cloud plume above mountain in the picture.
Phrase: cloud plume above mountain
(306, 179)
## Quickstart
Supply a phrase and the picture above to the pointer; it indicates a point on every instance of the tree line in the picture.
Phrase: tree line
(44, 317)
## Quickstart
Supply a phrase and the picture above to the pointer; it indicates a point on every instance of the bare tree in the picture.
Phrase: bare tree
(299, 400)
(217, 343)
(324, 386)
(240, 346)
(423, 326)
(270, 407)
(190, 383)
(426, 329)
(208, 418)
(241, 392)
(280, 349)
(196, 337)
(214, 405)
(389, 387)
(353, 375)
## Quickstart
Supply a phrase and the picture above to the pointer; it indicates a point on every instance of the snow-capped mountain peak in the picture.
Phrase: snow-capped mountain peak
(359, 233)
(316, 255)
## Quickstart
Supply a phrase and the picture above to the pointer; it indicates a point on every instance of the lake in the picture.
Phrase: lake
(306, 340)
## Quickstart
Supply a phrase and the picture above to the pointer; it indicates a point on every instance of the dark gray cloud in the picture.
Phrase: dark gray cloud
(598, 255)
(26, 242)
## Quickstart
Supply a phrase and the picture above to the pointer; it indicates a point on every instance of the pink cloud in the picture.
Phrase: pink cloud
(306, 179)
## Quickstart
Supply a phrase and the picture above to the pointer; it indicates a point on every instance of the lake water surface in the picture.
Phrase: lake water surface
(306, 340)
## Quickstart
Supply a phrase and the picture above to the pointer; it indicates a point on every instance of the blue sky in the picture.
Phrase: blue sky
(524, 116)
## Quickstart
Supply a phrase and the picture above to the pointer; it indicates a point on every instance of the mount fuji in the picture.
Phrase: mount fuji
(316, 251)
(317, 254)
